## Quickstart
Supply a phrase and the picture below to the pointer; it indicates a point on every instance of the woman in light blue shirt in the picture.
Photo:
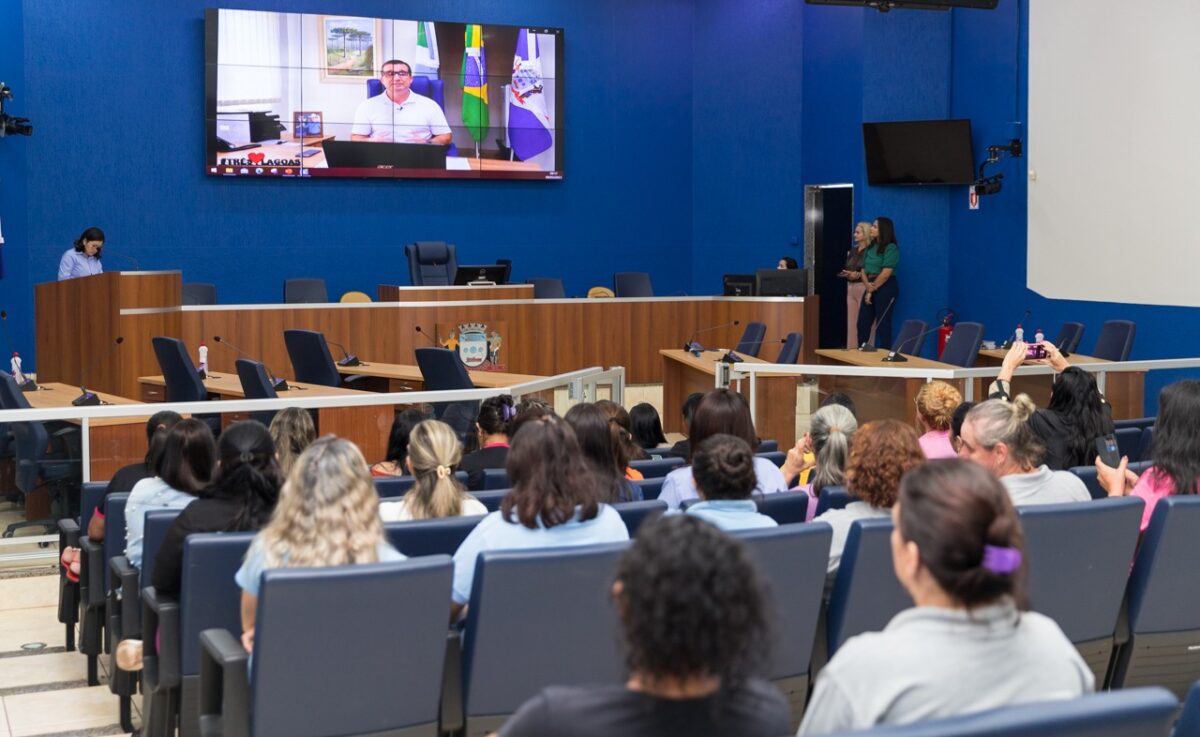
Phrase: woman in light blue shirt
(723, 468)
(721, 411)
(83, 259)
(553, 503)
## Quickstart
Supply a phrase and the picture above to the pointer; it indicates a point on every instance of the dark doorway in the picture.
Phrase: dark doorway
(829, 216)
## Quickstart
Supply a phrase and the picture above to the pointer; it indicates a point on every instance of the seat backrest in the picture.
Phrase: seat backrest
(491, 498)
(431, 87)
(776, 457)
(10, 393)
(255, 382)
(1146, 712)
(30, 443)
(91, 494)
(651, 487)
(632, 284)
(1146, 446)
(392, 487)
(790, 352)
(305, 291)
(1087, 474)
(785, 508)
(962, 348)
(114, 526)
(209, 598)
(866, 594)
(1077, 562)
(495, 478)
(158, 521)
(654, 468)
(767, 446)
(565, 596)
(199, 293)
(183, 381)
(752, 338)
(312, 362)
(1116, 340)
(442, 370)
(1069, 336)
(430, 536)
(1189, 718)
(547, 288)
(387, 654)
(635, 514)
(910, 339)
(1129, 442)
(832, 497)
(1139, 422)
(431, 263)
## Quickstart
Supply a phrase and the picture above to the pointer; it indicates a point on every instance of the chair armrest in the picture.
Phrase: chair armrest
(91, 568)
(161, 644)
(123, 598)
(224, 685)
(68, 535)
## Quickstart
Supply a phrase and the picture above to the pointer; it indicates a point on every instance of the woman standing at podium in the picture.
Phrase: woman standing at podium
(84, 258)
(879, 273)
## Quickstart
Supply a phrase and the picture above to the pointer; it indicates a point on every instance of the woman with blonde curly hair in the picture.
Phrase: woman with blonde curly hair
(292, 431)
(936, 403)
(882, 452)
(328, 515)
(433, 454)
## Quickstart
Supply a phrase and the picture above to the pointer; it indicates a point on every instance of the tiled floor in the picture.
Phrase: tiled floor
(44, 693)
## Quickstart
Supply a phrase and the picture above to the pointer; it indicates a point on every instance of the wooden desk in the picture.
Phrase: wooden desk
(685, 373)
(1124, 390)
(114, 441)
(878, 397)
(395, 293)
(396, 377)
(366, 427)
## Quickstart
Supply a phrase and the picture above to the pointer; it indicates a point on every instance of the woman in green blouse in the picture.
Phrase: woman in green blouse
(879, 273)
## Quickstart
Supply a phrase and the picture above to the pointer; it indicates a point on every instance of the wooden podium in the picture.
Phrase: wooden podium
(79, 320)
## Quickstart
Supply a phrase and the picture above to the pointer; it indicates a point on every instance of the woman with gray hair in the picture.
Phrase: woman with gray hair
(996, 434)
(827, 442)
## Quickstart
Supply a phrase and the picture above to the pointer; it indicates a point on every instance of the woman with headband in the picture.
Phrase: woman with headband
(967, 646)
(493, 427)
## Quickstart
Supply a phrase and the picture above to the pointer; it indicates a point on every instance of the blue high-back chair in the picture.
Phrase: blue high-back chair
(1164, 602)
(547, 288)
(785, 508)
(305, 291)
(911, 337)
(491, 498)
(495, 478)
(866, 594)
(793, 559)
(1145, 712)
(388, 678)
(1189, 718)
(199, 293)
(657, 468)
(312, 362)
(1138, 422)
(832, 497)
(158, 521)
(183, 381)
(1129, 442)
(651, 487)
(962, 348)
(431, 263)
(1069, 336)
(632, 284)
(1146, 446)
(392, 487)
(752, 338)
(1116, 340)
(1077, 562)
(635, 514)
(442, 370)
(122, 603)
(256, 384)
(790, 352)
(430, 536)
(1087, 474)
(565, 596)
(93, 578)
(36, 464)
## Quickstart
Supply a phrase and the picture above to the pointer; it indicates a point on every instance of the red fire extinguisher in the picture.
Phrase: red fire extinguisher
(945, 331)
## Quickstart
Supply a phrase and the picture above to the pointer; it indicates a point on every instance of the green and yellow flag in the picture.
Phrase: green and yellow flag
(474, 84)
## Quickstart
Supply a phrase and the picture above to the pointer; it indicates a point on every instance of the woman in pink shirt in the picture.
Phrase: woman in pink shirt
(1174, 450)
(936, 403)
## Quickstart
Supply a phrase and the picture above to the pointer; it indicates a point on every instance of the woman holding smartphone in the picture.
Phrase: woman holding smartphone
(853, 274)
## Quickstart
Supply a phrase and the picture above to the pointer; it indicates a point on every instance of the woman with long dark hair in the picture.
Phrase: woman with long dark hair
(646, 426)
(695, 618)
(602, 453)
(967, 646)
(882, 288)
(493, 426)
(1176, 468)
(83, 257)
(397, 446)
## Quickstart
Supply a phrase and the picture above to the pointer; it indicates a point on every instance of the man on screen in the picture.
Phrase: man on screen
(399, 115)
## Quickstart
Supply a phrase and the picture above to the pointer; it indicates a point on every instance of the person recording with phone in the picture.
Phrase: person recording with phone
(882, 288)
(83, 258)
(1077, 415)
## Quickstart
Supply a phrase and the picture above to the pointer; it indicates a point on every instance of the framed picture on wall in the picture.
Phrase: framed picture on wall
(348, 47)
(307, 124)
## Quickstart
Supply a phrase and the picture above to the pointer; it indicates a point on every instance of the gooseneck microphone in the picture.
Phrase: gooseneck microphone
(1008, 343)
(278, 383)
(90, 399)
(867, 346)
(694, 347)
(348, 359)
(895, 357)
(432, 341)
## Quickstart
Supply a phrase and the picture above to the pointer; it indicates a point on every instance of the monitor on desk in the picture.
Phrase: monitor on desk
(233, 131)
(739, 285)
(488, 274)
(375, 155)
(782, 282)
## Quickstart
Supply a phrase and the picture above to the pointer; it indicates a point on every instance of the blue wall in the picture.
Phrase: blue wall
(16, 294)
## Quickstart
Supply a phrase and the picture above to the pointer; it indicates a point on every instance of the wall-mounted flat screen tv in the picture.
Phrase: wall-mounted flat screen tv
(309, 95)
(919, 152)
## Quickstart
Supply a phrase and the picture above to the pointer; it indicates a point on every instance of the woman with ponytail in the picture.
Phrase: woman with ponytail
(966, 646)
(433, 454)
(823, 452)
(493, 427)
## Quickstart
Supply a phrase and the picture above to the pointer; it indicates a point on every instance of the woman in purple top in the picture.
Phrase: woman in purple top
(83, 259)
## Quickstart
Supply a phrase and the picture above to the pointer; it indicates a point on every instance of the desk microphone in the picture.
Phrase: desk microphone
(867, 346)
(432, 340)
(86, 398)
(137, 266)
(694, 347)
(278, 383)
(731, 357)
(347, 358)
(1008, 343)
(895, 357)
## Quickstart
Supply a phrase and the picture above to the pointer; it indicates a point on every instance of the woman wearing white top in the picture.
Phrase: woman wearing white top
(433, 454)
(966, 646)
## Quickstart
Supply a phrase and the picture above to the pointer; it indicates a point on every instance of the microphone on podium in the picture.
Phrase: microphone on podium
(694, 347)
(278, 383)
(348, 358)
(895, 357)
(86, 398)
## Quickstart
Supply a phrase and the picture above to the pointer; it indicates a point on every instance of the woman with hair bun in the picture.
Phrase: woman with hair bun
(493, 427)
(723, 467)
(433, 454)
(967, 646)
(936, 403)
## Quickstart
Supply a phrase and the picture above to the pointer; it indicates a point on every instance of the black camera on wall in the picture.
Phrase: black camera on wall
(9, 124)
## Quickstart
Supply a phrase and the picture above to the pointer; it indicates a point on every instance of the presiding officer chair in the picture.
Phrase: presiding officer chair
(199, 293)
(547, 288)
(632, 284)
(305, 291)
(431, 263)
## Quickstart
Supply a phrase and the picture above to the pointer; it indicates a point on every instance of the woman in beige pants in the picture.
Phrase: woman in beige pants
(855, 286)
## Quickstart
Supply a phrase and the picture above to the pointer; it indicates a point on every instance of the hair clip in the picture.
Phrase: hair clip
(1001, 560)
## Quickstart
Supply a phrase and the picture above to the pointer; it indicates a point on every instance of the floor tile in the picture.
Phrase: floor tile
(3, 721)
(36, 670)
(47, 712)
(31, 591)
(38, 624)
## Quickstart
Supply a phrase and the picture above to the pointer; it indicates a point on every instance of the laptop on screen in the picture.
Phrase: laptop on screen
(373, 155)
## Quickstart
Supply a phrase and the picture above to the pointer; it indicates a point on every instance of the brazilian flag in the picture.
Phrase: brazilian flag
(474, 84)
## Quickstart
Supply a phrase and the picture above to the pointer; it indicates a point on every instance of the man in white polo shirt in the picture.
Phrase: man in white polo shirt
(399, 115)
